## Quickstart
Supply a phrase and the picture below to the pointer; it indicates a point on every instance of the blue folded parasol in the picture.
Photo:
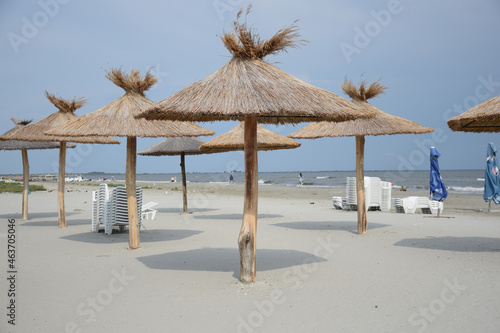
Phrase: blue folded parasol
(491, 176)
(437, 188)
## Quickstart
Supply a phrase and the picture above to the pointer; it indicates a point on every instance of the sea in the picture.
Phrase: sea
(456, 181)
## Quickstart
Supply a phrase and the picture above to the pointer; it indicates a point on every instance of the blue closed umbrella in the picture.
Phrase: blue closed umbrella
(438, 190)
(491, 176)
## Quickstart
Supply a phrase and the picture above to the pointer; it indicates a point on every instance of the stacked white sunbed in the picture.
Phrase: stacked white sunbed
(410, 204)
(109, 207)
(377, 195)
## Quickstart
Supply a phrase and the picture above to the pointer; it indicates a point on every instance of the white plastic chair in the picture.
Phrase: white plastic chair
(337, 202)
(147, 211)
(436, 207)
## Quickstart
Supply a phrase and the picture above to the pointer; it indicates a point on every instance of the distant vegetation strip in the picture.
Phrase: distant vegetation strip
(17, 187)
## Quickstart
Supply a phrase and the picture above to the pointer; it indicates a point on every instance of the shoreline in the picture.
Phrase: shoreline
(455, 203)
(452, 190)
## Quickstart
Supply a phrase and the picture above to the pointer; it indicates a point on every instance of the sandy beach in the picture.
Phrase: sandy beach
(409, 273)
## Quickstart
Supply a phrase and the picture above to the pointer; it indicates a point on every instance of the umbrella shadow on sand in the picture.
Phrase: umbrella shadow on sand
(458, 244)
(32, 215)
(180, 210)
(235, 216)
(351, 226)
(56, 223)
(226, 260)
(148, 236)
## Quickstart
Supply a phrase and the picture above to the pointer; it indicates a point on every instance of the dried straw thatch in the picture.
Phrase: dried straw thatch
(247, 85)
(381, 124)
(117, 118)
(245, 43)
(175, 146)
(65, 113)
(19, 145)
(234, 140)
(484, 117)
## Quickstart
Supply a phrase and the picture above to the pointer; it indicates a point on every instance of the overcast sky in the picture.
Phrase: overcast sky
(438, 59)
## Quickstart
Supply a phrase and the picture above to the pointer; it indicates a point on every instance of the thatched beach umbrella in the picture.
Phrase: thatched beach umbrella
(235, 140)
(381, 124)
(484, 117)
(24, 146)
(249, 89)
(177, 146)
(117, 119)
(36, 132)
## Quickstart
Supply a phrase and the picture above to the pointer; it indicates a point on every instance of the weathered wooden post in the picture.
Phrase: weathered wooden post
(247, 238)
(26, 176)
(133, 221)
(62, 180)
(360, 183)
(184, 187)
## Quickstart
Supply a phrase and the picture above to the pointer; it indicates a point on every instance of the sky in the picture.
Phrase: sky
(437, 58)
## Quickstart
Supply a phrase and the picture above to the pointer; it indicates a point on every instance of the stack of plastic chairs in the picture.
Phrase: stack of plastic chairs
(373, 188)
(424, 204)
(385, 196)
(95, 212)
(398, 204)
(345, 206)
(102, 201)
(117, 209)
(351, 193)
(409, 205)
(374, 198)
(109, 207)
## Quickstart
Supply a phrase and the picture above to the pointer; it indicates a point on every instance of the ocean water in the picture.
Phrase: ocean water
(456, 181)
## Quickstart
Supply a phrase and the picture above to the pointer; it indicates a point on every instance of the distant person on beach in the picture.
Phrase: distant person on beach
(301, 181)
(231, 178)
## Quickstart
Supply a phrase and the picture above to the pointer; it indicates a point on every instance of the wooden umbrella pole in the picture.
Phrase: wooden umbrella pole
(360, 183)
(26, 184)
(247, 238)
(62, 180)
(184, 188)
(133, 221)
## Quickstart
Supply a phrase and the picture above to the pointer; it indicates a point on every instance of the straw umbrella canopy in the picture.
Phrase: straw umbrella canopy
(177, 146)
(117, 119)
(249, 89)
(234, 140)
(381, 124)
(36, 132)
(19, 145)
(24, 146)
(484, 117)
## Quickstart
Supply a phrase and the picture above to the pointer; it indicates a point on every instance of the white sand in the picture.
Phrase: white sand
(409, 273)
